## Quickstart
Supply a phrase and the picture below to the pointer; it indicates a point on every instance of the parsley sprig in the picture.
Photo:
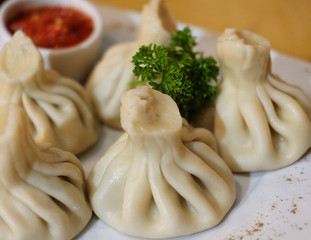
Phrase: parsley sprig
(187, 76)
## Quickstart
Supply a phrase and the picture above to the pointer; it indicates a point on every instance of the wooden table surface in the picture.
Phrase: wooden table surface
(285, 23)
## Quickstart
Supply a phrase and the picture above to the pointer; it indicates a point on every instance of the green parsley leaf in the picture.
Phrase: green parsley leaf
(187, 76)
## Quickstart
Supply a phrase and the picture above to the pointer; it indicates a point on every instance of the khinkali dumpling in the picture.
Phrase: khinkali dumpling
(42, 188)
(261, 122)
(59, 108)
(161, 178)
(114, 72)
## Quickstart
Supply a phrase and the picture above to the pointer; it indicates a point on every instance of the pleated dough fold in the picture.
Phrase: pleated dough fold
(162, 178)
(114, 72)
(261, 122)
(42, 188)
(59, 109)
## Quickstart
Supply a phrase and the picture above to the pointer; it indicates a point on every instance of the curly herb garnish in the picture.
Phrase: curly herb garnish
(187, 76)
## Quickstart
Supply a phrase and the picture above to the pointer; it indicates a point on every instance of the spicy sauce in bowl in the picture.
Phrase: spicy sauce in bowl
(53, 26)
(68, 33)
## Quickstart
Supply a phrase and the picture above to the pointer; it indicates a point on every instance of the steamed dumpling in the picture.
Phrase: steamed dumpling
(112, 75)
(261, 122)
(161, 178)
(42, 188)
(59, 108)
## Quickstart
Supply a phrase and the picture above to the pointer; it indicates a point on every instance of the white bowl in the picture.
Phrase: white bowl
(74, 62)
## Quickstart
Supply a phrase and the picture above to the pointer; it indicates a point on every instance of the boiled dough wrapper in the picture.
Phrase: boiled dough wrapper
(58, 108)
(114, 72)
(161, 178)
(42, 188)
(261, 122)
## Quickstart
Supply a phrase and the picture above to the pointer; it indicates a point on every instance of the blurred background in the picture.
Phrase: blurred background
(285, 23)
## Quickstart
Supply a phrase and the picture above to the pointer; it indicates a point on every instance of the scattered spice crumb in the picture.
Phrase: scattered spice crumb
(293, 211)
(296, 226)
(261, 227)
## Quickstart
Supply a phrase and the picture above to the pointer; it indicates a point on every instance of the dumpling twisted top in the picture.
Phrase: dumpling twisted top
(59, 108)
(162, 178)
(261, 122)
(114, 72)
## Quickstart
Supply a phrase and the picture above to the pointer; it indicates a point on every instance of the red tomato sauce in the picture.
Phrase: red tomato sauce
(53, 27)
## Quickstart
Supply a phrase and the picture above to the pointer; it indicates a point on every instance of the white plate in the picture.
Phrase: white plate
(269, 205)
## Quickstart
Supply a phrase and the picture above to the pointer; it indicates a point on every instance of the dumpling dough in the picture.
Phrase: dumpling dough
(261, 122)
(112, 75)
(160, 179)
(42, 188)
(59, 108)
